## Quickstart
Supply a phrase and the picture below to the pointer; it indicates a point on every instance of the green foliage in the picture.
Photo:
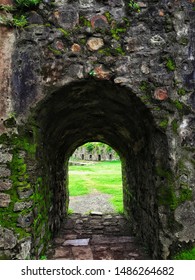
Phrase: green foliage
(170, 64)
(89, 146)
(183, 41)
(16, 21)
(7, 8)
(120, 51)
(186, 255)
(164, 123)
(108, 16)
(181, 91)
(27, 3)
(145, 87)
(56, 52)
(70, 211)
(185, 194)
(175, 126)
(84, 22)
(92, 73)
(126, 21)
(115, 32)
(178, 105)
(105, 51)
(43, 257)
(20, 21)
(134, 6)
(64, 32)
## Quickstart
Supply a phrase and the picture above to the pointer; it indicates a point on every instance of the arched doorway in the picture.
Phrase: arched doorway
(100, 111)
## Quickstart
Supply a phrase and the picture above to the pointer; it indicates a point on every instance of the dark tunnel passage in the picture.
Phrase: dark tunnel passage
(101, 111)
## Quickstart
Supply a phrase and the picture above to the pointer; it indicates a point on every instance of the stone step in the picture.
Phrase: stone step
(98, 237)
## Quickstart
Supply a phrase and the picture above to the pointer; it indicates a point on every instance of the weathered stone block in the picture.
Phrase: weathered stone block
(67, 18)
(161, 94)
(19, 206)
(86, 3)
(94, 44)
(10, 240)
(25, 221)
(133, 44)
(4, 171)
(25, 245)
(99, 21)
(100, 73)
(157, 40)
(4, 200)
(5, 184)
(24, 192)
(76, 48)
(116, 3)
(35, 18)
(120, 80)
(5, 156)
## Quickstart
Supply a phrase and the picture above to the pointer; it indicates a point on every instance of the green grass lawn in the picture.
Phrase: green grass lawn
(104, 177)
(186, 255)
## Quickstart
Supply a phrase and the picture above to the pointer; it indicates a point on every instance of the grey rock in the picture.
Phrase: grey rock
(4, 171)
(86, 3)
(24, 192)
(19, 206)
(25, 221)
(5, 156)
(67, 18)
(157, 40)
(25, 245)
(77, 242)
(10, 240)
(5, 184)
(4, 200)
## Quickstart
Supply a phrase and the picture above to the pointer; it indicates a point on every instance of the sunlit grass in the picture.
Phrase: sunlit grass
(186, 255)
(104, 177)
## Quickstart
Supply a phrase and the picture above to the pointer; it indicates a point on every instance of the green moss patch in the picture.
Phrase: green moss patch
(167, 194)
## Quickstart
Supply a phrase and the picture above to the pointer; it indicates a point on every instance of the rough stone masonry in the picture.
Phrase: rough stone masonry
(80, 71)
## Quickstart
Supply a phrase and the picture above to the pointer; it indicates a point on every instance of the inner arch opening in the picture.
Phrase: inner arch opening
(95, 180)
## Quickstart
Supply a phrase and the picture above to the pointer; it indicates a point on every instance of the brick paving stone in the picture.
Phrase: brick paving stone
(103, 255)
(82, 253)
(61, 253)
(58, 240)
(98, 248)
(77, 242)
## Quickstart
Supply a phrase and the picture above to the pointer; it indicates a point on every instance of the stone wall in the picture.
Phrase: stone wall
(84, 71)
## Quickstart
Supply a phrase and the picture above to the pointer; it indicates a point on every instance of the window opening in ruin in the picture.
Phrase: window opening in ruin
(95, 186)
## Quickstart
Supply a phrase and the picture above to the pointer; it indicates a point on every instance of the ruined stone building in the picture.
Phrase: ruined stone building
(73, 72)
(95, 152)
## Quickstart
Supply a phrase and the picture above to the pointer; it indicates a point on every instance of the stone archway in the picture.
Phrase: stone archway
(100, 111)
(63, 84)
